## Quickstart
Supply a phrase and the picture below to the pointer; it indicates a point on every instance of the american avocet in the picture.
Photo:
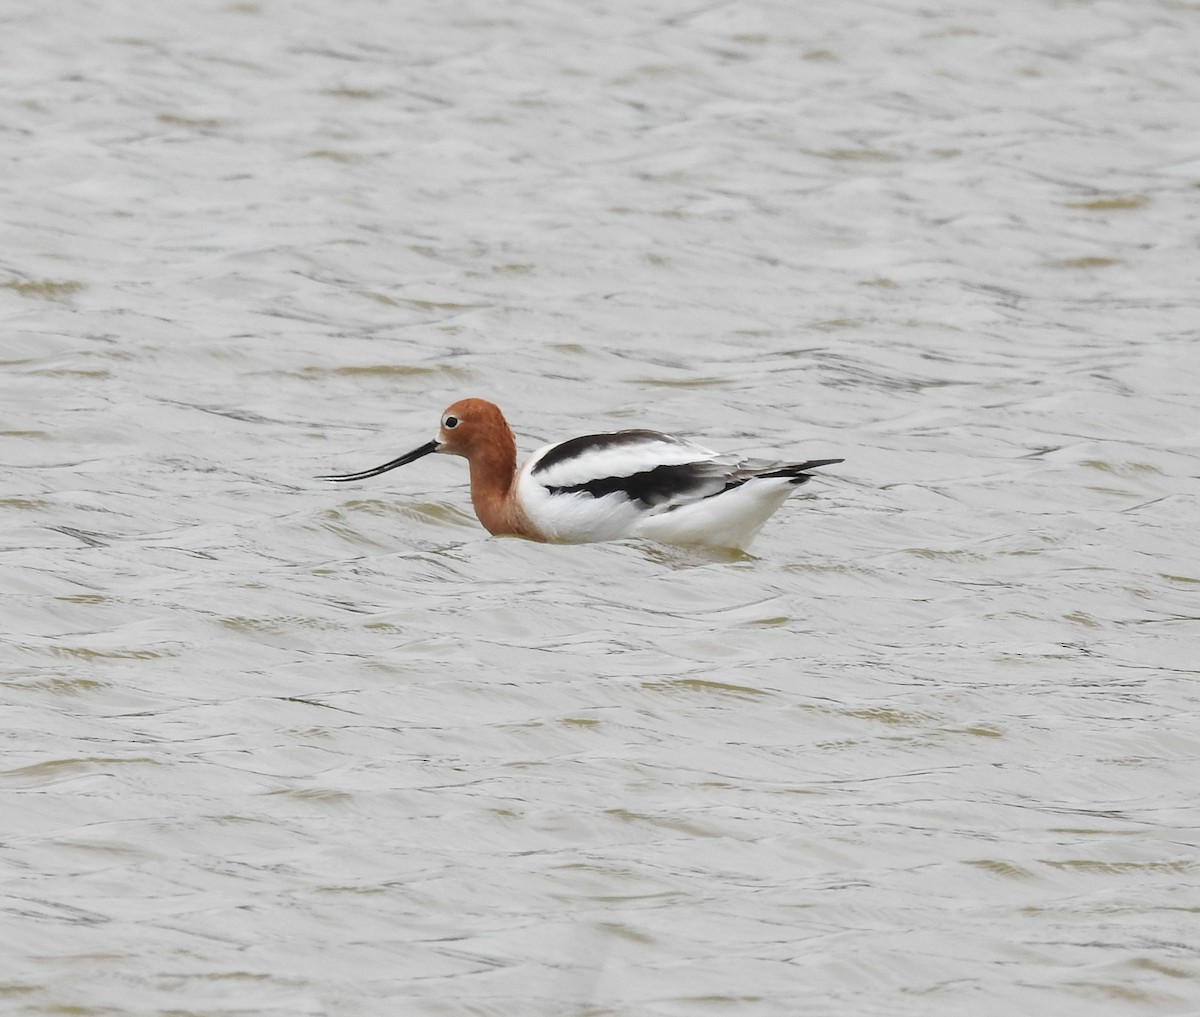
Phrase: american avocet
(634, 483)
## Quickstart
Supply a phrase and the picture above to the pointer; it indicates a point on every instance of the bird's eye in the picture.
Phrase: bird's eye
(450, 423)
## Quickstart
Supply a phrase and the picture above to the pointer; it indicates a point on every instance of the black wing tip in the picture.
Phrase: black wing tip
(793, 468)
(798, 472)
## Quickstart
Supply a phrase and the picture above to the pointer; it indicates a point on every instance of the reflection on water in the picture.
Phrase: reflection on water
(274, 748)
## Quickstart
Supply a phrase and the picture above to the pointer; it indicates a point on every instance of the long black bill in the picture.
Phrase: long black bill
(404, 460)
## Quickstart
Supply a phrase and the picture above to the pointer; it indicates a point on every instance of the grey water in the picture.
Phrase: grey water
(275, 747)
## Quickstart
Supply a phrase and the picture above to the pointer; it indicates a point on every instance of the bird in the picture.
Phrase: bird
(634, 483)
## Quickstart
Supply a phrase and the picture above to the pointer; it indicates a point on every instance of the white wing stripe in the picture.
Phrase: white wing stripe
(619, 461)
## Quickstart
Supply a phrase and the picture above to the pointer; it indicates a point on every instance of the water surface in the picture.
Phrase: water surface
(275, 747)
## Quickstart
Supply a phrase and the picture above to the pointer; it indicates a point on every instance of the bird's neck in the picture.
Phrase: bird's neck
(493, 477)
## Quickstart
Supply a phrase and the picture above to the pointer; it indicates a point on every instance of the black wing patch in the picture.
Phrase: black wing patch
(654, 487)
(701, 480)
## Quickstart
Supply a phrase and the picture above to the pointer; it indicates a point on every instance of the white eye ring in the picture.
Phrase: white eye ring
(450, 423)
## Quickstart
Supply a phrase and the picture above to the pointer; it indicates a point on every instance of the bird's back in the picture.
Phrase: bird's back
(649, 484)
